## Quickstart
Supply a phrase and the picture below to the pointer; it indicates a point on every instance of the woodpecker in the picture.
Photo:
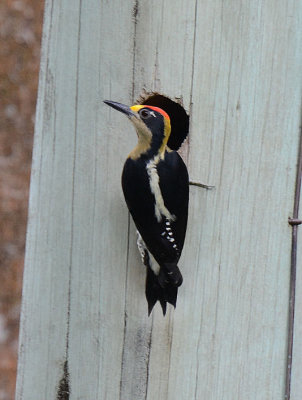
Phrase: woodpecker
(156, 189)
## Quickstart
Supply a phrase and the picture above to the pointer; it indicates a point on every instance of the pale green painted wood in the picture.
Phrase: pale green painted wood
(296, 381)
(47, 270)
(76, 208)
(247, 148)
(236, 67)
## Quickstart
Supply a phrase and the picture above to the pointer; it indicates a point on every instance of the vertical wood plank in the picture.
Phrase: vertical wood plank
(76, 256)
(47, 267)
(99, 252)
(165, 36)
(250, 73)
(296, 384)
(294, 360)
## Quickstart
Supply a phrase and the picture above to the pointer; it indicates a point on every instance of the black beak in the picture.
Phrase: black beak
(120, 107)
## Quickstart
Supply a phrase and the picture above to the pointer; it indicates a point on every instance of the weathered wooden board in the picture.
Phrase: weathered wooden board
(296, 378)
(75, 272)
(236, 68)
(245, 140)
(294, 382)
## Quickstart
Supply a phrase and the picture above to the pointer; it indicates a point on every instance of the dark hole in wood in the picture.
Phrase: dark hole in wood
(178, 117)
(64, 390)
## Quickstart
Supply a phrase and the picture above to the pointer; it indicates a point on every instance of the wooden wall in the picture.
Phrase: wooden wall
(236, 67)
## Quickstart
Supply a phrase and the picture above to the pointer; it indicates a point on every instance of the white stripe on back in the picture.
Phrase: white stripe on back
(160, 208)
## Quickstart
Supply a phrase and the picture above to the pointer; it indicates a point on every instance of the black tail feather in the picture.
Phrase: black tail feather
(162, 288)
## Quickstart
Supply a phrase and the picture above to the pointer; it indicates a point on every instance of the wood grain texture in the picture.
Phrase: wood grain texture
(249, 154)
(293, 383)
(296, 384)
(235, 66)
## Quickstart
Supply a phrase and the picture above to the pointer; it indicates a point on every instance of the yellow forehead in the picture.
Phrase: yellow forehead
(137, 107)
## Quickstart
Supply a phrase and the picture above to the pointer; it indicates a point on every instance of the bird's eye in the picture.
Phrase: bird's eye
(145, 114)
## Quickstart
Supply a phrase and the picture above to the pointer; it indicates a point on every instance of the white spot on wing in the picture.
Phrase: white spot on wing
(141, 245)
(142, 248)
(170, 236)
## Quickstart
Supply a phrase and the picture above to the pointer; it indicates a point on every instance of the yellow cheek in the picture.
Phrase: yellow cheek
(141, 129)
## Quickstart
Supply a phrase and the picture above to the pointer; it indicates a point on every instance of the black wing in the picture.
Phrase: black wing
(163, 239)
